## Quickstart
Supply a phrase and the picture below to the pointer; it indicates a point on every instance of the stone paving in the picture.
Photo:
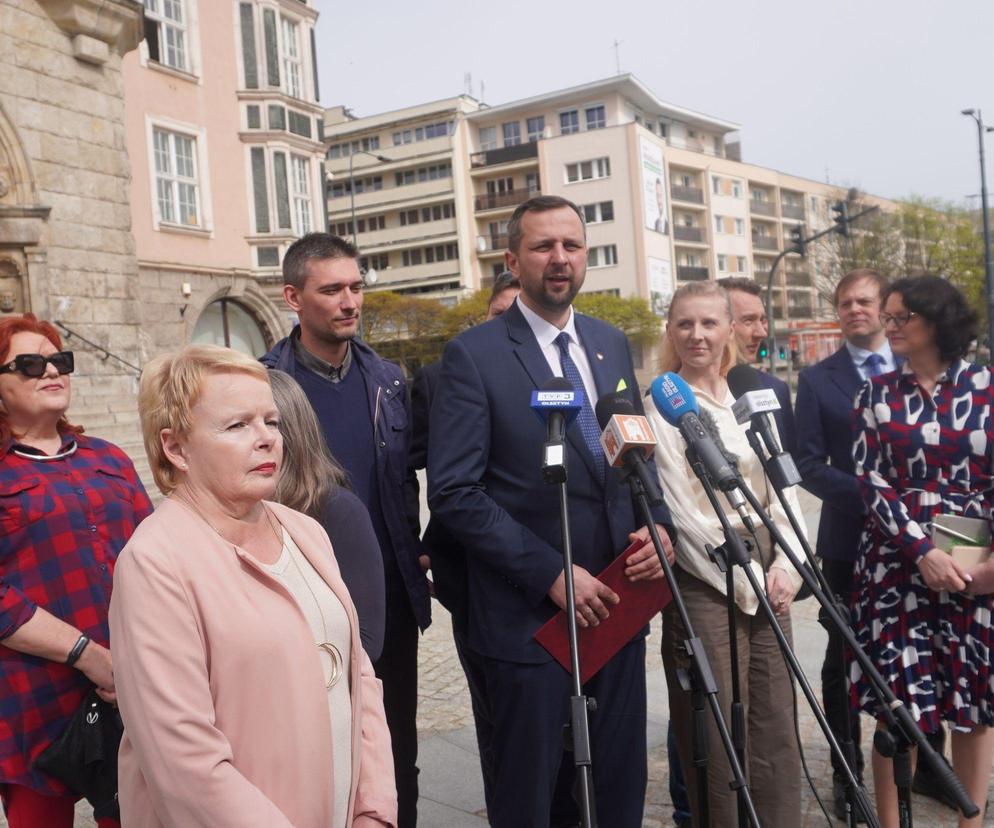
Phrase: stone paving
(451, 789)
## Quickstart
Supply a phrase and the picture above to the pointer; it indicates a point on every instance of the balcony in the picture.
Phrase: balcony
(491, 243)
(800, 310)
(793, 211)
(762, 208)
(504, 155)
(686, 273)
(764, 242)
(682, 232)
(798, 278)
(694, 195)
(509, 198)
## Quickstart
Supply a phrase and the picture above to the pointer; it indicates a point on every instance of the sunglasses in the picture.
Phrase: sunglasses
(33, 365)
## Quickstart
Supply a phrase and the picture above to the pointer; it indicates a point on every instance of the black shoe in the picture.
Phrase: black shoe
(926, 784)
(839, 796)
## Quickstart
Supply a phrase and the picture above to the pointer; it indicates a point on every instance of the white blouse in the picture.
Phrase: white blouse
(697, 522)
(329, 623)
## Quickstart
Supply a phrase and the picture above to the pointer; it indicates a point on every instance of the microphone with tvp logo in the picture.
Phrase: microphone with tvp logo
(556, 403)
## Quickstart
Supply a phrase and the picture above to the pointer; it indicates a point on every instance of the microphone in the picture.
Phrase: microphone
(677, 404)
(753, 404)
(628, 441)
(556, 403)
(734, 496)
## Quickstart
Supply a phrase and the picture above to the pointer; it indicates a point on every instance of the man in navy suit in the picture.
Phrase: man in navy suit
(485, 485)
(751, 330)
(825, 395)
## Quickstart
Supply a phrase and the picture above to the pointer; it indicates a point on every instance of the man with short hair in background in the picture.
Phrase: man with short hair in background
(751, 331)
(361, 403)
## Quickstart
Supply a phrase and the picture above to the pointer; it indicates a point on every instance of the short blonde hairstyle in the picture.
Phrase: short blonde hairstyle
(169, 389)
(669, 360)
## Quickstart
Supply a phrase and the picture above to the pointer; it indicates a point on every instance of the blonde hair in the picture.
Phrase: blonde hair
(669, 360)
(170, 386)
(310, 474)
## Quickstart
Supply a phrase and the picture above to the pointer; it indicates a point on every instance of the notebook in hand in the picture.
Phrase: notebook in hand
(640, 601)
(967, 539)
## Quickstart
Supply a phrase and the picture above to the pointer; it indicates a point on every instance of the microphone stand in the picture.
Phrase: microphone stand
(700, 681)
(576, 734)
(848, 745)
(791, 659)
(902, 729)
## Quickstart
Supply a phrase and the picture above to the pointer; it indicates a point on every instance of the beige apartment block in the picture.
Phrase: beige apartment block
(66, 249)
(224, 134)
(666, 195)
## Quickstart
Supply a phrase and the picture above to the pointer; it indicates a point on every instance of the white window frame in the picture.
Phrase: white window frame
(743, 264)
(598, 212)
(715, 185)
(189, 26)
(604, 255)
(302, 204)
(722, 263)
(599, 168)
(719, 224)
(586, 121)
(740, 227)
(489, 143)
(736, 188)
(201, 179)
(573, 111)
(157, 10)
(291, 63)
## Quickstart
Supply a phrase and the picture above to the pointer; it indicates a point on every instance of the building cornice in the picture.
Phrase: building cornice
(98, 26)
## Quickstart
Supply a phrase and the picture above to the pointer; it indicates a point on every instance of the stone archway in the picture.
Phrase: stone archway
(242, 302)
(22, 228)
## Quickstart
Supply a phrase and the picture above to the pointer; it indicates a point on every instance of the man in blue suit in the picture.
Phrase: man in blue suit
(485, 485)
(751, 330)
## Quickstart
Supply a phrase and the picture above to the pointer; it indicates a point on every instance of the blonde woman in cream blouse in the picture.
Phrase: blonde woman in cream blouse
(246, 695)
(699, 345)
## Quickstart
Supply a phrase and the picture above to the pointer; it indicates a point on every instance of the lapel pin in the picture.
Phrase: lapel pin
(599, 355)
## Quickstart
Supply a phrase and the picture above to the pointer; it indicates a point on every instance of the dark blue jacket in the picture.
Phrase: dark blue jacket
(824, 410)
(485, 483)
(389, 412)
(785, 416)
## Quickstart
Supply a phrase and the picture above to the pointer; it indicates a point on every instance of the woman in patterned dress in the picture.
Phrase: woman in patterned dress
(923, 447)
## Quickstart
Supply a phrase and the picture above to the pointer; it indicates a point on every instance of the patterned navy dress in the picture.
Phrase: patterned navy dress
(918, 456)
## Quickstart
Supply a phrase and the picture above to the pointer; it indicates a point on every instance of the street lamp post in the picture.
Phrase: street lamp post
(988, 267)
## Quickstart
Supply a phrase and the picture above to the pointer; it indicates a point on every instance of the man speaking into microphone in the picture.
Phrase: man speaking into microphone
(485, 484)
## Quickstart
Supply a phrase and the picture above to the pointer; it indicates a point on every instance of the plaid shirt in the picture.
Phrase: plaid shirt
(62, 524)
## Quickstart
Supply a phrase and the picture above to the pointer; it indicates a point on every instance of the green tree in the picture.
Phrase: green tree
(630, 314)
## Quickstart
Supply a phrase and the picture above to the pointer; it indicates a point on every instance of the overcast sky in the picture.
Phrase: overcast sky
(867, 93)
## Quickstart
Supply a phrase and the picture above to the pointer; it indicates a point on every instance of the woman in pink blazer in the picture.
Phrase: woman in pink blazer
(246, 696)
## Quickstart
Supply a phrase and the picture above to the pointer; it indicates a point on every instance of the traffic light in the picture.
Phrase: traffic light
(782, 352)
(764, 349)
(797, 239)
(841, 212)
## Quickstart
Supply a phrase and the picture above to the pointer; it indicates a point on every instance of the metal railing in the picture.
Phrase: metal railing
(504, 155)
(71, 334)
(762, 208)
(491, 241)
(688, 273)
(509, 198)
(792, 211)
(765, 242)
(682, 232)
(694, 195)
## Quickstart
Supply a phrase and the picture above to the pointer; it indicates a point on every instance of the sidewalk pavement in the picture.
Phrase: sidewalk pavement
(451, 787)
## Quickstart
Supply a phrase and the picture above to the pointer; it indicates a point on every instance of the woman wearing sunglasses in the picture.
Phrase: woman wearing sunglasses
(68, 504)
(923, 448)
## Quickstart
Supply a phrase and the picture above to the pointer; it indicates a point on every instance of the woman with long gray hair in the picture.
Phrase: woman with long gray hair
(313, 482)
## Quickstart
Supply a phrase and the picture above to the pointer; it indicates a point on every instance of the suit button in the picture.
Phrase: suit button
(382, 444)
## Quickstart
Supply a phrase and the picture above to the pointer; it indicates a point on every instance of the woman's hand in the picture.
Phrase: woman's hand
(96, 665)
(983, 578)
(941, 572)
(780, 590)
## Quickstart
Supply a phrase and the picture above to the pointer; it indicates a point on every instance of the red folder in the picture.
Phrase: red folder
(640, 601)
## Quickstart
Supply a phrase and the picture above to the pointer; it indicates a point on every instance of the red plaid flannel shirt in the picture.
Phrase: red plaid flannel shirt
(62, 525)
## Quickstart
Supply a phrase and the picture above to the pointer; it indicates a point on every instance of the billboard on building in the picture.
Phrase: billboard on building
(653, 186)
(660, 285)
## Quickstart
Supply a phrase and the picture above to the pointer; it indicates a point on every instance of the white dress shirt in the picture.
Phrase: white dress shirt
(859, 356)
(697, 522)
(546, 333)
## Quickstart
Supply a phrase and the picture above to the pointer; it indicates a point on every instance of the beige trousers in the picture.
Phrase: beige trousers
(773, 764)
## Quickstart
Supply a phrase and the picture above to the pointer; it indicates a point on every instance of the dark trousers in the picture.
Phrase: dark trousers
(533, 776)
(473, 666)
(397, 668)
(834, 679)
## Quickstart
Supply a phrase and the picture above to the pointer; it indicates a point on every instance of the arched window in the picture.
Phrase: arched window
(226, 322)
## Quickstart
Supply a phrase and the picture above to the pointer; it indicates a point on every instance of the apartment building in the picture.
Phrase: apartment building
(664, 190)
(223, 128)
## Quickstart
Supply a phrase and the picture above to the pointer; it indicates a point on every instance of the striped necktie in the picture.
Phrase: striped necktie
(586, 419)
(874, 365)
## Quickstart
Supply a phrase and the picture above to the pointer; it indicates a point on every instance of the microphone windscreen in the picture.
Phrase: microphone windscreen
(742, 379)
(711, 427)
(673, 397)
(609, 405)
(557, 384)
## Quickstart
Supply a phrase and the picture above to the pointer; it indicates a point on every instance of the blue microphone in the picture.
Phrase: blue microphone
(557, 404)
(676, 403)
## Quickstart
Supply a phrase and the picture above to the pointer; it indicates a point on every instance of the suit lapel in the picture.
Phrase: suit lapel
(843, 373)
